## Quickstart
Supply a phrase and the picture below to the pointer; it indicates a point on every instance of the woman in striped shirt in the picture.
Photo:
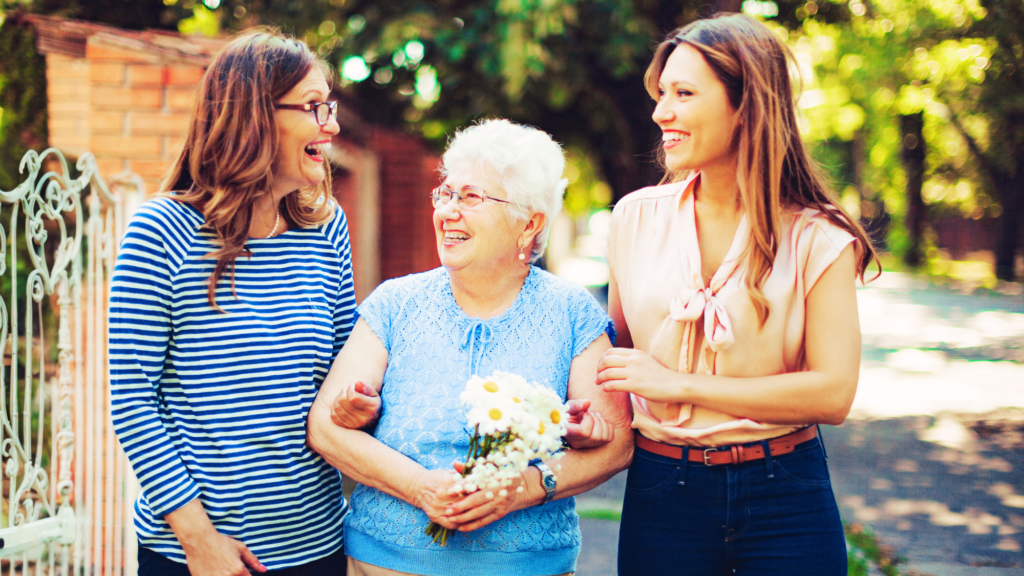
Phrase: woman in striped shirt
(231, 296)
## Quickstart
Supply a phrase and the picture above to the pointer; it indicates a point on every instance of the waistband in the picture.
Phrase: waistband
(734, 454)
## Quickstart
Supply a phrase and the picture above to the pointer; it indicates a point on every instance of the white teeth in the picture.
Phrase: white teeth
(318, 149)
(455, 237)
(674, 137)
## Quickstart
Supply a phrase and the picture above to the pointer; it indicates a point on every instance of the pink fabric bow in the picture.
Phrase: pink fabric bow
(687, 306)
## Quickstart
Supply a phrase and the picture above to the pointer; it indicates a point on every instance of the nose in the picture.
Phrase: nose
(449, 210)
(662, 112)
(331, 127)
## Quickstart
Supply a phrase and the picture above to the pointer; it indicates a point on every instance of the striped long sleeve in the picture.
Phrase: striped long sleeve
(213, 404)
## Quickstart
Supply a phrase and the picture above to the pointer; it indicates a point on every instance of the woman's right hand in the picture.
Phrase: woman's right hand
(433, 492)
(356, 407)
(218, 555)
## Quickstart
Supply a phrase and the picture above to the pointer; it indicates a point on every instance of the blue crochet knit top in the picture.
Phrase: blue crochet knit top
(433, 348)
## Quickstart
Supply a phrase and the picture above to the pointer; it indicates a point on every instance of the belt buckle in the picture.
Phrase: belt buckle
(707, 462)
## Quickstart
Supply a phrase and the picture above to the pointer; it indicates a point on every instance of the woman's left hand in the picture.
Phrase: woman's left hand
(586, 429)
(634, 371)
(476, 510)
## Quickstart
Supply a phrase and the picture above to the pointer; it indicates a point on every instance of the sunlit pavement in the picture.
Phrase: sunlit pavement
(932, 457)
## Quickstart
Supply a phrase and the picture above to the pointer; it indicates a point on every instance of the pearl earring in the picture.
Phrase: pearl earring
(522, 256)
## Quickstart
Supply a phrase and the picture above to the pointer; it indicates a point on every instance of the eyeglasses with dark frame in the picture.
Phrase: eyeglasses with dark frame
(322, 111)
(469, 197)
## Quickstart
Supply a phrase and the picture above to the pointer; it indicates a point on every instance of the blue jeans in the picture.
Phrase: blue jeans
(772, 516)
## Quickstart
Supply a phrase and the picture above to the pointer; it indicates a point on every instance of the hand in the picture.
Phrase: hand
(586, 429)
(356, 407)
(477, 510)
(634, 371)
(215, 554)
(434, 492)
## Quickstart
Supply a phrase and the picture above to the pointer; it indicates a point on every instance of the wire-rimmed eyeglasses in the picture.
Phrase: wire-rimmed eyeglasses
(469, 197)
(322, 111)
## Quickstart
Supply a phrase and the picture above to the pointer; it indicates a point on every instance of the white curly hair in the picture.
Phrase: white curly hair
(525, 161)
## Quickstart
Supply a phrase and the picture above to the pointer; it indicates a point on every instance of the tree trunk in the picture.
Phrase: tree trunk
(1010, 188)
(912, 127)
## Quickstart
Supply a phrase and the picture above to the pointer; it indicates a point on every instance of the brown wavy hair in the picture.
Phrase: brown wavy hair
(225, 164)
(775, 170)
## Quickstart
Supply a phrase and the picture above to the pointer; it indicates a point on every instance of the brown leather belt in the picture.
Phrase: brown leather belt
(735, 454)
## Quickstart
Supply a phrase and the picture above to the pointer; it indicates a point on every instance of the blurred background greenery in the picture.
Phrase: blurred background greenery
(916, 107)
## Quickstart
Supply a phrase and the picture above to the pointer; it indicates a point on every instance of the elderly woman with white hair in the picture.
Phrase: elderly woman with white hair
(420, 338)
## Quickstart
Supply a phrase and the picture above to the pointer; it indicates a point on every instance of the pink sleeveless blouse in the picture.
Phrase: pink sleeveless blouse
(655, 261)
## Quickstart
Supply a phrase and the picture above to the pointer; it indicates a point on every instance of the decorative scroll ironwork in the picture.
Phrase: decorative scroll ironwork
(38, 443)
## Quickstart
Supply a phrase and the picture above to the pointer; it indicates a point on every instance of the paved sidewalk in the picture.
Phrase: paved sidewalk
(932, 457)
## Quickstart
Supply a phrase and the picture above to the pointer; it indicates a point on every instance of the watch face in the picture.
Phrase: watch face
(549, 482)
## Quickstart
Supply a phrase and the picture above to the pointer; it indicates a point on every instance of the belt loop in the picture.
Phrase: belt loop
(686, 464)
(768, 462)
(821, 440)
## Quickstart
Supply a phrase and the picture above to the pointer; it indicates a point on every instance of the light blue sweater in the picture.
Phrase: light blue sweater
(433, 348)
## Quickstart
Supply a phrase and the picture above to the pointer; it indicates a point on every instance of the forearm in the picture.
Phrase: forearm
(190, 524)
(792, 398)
(586, 469)
(362, 457)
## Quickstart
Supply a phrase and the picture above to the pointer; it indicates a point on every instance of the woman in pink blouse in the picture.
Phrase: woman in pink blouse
(733, 292)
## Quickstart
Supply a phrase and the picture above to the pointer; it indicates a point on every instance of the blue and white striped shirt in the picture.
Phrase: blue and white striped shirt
(213, 405)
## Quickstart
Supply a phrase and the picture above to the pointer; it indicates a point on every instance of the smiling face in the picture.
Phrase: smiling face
(694, 112)
(299, 162)
(480, 237)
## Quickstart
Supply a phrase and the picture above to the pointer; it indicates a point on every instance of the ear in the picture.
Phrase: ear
(533, 227)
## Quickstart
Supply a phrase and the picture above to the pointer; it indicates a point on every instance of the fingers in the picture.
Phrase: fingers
(249, 558)
(365, 389)
(492, 517)
(578, 406)
(583, 430)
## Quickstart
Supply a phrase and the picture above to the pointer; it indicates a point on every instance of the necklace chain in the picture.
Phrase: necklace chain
(277, 220)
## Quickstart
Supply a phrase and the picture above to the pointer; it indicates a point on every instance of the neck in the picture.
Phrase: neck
(718, 189)
(487, 293)
(264, 214)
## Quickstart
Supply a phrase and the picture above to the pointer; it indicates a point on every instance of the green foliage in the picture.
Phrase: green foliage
(866, 548)
(23, 120)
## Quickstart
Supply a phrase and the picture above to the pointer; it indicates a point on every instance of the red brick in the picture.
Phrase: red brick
(173, 145)
(63, 123)
(68, 105)
(58, 66)
(179, 74)
(97, 52)
(75, 89)
(126, 145)
(147, 74)
(173, 124)
(150, 170)
(69, 141)
(109, 166)
(180, 99)
(106, 121)
(127, 97)
(106, 72)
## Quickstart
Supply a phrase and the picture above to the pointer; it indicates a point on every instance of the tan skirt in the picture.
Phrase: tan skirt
(357, 568)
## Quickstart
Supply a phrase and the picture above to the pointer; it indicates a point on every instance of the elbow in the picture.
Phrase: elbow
(316, 435)
(838, 407)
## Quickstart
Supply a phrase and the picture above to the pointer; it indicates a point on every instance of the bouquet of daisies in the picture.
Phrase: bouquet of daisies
(513, 422)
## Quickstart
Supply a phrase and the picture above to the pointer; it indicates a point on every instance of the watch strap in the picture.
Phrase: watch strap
(547, 480)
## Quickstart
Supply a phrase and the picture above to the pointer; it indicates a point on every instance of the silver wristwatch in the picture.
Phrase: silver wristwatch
(547, 480)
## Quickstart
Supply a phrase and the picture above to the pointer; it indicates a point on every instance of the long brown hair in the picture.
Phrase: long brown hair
(775, 171)
(225, 163)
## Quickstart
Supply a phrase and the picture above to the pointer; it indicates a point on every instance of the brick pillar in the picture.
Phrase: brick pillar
(129, 108)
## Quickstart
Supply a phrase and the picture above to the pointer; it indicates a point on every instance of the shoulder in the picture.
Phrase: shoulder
(420, 284)
(650, 194)
(810, 224)
(560, 290)
(168, 214)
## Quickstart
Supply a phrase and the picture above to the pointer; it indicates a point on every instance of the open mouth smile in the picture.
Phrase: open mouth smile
(317, 150)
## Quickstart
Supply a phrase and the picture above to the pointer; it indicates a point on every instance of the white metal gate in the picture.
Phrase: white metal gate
(67, 492)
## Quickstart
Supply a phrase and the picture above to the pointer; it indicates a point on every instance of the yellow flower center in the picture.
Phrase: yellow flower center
(516, 400)
(495, 414)
(490, 386)
(541, 431)
(556, 416)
